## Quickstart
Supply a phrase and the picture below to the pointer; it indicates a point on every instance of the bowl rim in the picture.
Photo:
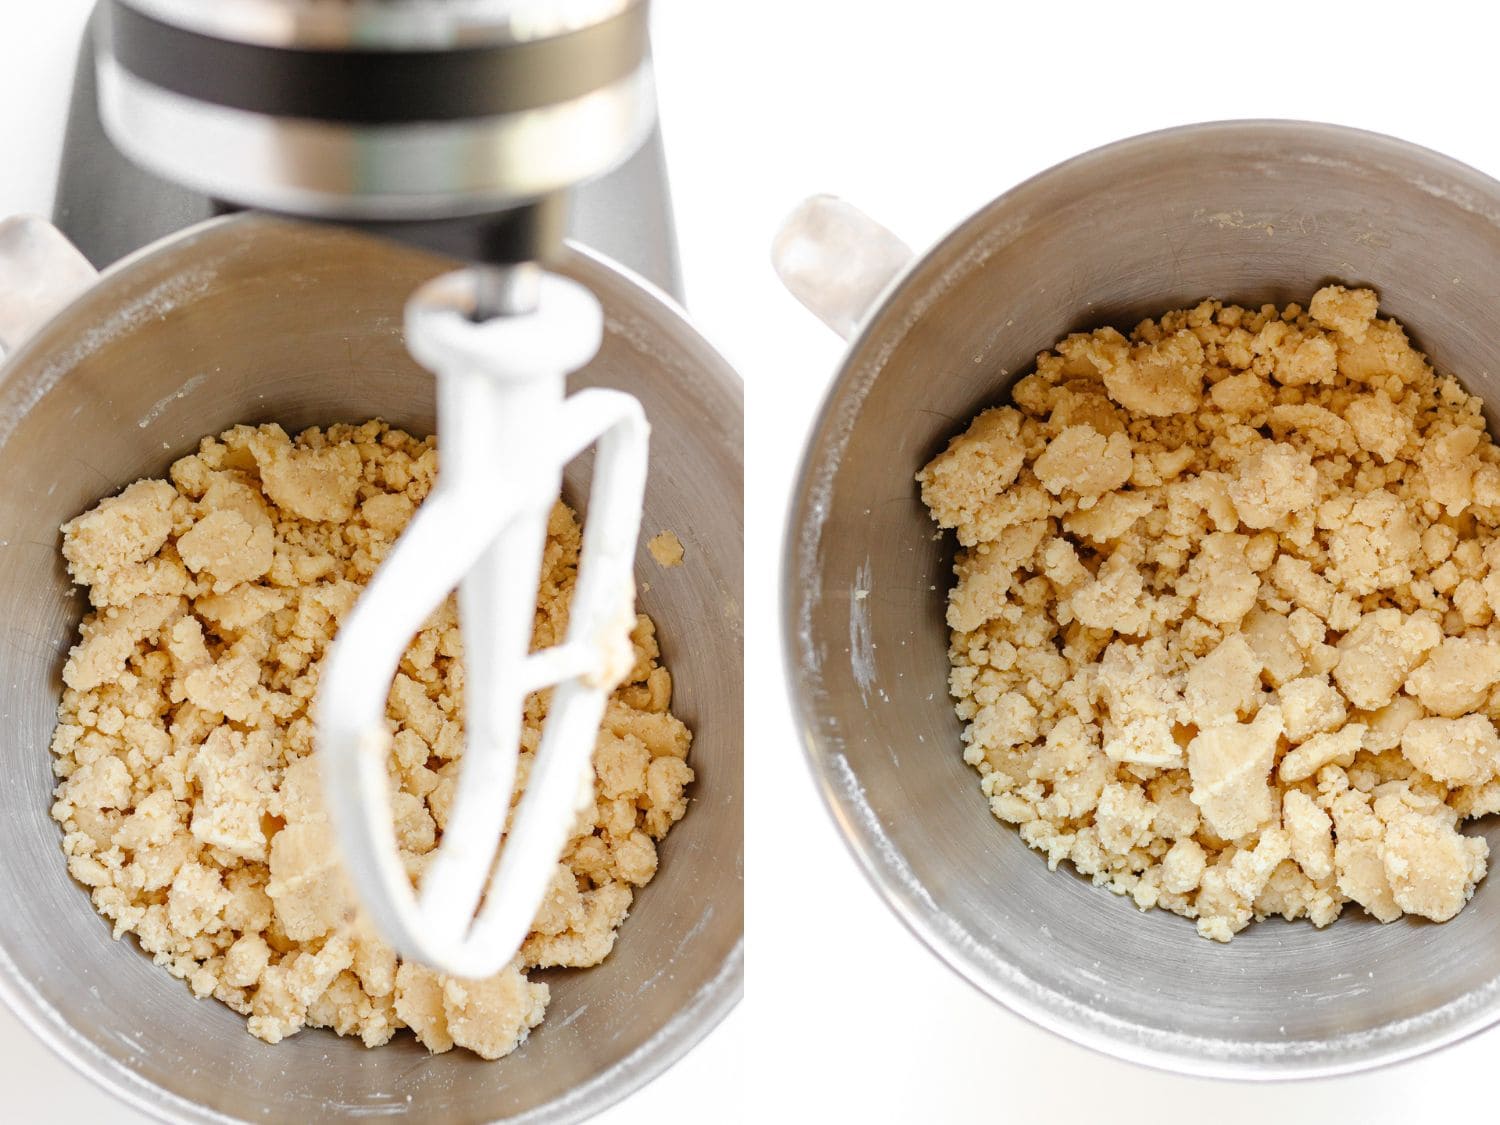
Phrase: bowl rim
(666, 1046)
(839, 787)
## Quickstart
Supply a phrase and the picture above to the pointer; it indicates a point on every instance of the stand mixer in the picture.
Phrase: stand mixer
(458, 126)
(252, 318)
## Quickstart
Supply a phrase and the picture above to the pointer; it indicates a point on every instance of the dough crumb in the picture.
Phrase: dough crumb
(1225, 629)
(189, 798)
(665, 548)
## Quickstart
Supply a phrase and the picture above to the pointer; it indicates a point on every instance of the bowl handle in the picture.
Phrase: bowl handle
(40, 272)
(836, 260)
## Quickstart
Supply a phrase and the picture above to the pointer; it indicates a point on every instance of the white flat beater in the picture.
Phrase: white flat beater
(501, 341)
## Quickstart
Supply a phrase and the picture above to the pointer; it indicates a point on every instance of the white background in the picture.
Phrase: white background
(919, 113)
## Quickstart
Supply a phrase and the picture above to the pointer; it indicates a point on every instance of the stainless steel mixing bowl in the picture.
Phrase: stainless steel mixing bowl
(1252, 212)
(249, 319)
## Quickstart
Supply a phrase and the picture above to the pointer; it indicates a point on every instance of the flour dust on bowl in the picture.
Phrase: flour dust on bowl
(255, 320)
(1249, 213)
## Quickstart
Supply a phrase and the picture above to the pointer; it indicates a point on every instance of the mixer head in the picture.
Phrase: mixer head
(409, 116)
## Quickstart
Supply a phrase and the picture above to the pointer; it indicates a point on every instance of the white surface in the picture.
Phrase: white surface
(919, 113)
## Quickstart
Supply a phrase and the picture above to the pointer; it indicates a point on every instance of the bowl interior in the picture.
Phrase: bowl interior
(254, 320)
(1250, 212)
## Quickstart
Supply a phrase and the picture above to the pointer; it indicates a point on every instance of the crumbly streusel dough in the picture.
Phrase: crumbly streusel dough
(189, 796)
(1226, 625)
(666, 548)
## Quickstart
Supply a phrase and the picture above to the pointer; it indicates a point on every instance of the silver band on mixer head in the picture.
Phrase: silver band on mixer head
(356, 171)
(374, 25)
